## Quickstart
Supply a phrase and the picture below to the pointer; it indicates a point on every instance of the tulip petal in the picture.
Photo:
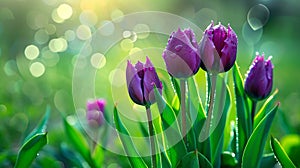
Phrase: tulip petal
(176, 66)
(140, 69)
(258, 84)
(135, 90)
(183, 49)
(101, 104)
(151, 79)
(130, 72)
(219, 37)
(208, 53)
(229, 51)
(134, 84)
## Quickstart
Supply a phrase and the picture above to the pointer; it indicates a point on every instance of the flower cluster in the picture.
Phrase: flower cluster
(183, 56)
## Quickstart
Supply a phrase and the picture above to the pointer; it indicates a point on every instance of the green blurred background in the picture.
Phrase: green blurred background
(40, 41)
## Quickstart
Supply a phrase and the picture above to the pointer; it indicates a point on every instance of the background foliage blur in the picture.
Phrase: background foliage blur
(40, 41)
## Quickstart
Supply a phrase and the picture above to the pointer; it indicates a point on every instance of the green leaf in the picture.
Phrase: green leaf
(196, 114)
(190, 160)
(264, 109)
(243, 112)
(222, 104)
(71, 157)
(254, 149)
(128, 145)
(98, 155)
(176, 87)
(30, 149)
(143, 130)
(194, 159)
(228, 159)
(160, 139)
(203, 161)
(268, 160)
(280, 154)
(78, 141)
(171, 129)
(196, 110)
(41, 128)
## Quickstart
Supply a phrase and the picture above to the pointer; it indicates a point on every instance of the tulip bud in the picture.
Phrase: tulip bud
(259, 79)
(182, 54)
(218, 48)
(94, 113)
(141, 80)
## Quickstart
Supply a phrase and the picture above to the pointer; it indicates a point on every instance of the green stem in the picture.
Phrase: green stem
(209, 116)
(183, 109)
(211, 101)
(254, 103)
(151, 133)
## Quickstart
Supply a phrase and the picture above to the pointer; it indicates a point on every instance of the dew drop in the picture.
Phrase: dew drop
(258, 16)
(178, 48)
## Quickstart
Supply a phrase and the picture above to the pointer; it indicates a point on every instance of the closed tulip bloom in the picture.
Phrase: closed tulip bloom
(259, 79)
(218, 48)
(141, 80)
(94, 113)
(181, 55)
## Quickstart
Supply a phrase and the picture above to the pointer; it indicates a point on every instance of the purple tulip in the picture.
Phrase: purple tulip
(259, 80)
(182, 54)
(218, 48)
(94, 113)
(141, 80)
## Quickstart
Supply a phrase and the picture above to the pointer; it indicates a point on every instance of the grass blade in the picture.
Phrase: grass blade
(280, 154)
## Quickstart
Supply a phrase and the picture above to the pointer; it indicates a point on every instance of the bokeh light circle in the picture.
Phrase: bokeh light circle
(58, 45)
(64, 11)
(37, 69)
(98, 60)
(142, 31)
(31, 52)
(83, 32)
(41, 36)
(251, 36)
(258, 16)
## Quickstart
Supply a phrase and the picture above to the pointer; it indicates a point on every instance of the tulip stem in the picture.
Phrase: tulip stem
(211, 100)
(151, 137)
(183, 108)
(254, 103)
(210, 111)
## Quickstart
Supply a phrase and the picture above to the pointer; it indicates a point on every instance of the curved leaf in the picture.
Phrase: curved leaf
(263, 110)
(41, 128)
(170, 122)
(242, 109)
(127, 142)
(30, 149)
(268, 160)
(194, 159)
(78, 141)
(228, 159)
(254, 149)
(280, 154)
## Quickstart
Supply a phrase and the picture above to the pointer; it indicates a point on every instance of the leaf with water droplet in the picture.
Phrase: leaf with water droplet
(29, 150)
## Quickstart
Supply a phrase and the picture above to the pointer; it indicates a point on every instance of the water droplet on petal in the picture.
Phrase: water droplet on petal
(258, 16)
(178, 48)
